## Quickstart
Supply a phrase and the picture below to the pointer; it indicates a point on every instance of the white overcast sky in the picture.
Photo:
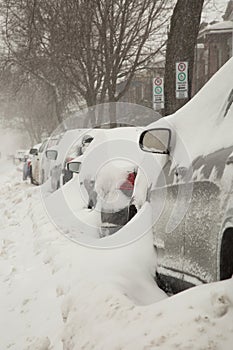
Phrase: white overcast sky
(213, 10)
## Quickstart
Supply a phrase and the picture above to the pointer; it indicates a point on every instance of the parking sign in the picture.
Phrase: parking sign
(181, 80)
(158, 93)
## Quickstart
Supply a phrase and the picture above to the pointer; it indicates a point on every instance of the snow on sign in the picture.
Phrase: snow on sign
(158, 93)
(181, 80)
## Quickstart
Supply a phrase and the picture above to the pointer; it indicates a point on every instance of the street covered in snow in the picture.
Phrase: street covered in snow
(56, 294)
(116, 175)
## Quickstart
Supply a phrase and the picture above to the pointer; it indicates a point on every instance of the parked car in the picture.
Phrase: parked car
(59, 155)
(189, 185)
(34, 150)
(107, 170)
(40, 165)
(129, 112)
(35, 166)
(76, 150)
(27, 163)
(193, 234)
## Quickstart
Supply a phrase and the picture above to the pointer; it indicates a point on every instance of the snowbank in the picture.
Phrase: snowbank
(58, 295)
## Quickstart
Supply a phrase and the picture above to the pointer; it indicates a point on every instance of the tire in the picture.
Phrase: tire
(226, 257)
(30, 175)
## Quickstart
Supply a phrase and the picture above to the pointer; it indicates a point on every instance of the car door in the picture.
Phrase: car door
(168, 231)
(204, 217)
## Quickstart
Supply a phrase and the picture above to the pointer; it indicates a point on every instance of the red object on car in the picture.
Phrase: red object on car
(128, 185)
(69, 159)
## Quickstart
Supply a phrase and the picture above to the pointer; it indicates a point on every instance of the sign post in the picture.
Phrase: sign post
(181, 80)
(158, 93)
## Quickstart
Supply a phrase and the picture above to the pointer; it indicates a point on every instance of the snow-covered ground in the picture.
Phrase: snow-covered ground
(56, 294)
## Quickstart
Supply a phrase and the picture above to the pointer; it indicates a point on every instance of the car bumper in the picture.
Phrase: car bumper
(111, 222)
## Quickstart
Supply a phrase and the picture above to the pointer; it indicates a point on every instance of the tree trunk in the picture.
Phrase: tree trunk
(182, 37)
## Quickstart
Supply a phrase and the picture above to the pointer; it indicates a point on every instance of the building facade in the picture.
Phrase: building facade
(213, 49)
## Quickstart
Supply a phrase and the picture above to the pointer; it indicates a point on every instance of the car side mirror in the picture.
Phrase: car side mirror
(51, 154)
(156, 140)
(74, 167)
(34, 151)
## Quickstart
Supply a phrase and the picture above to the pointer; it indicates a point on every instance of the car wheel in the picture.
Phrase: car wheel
(226, 257)
(31, 177)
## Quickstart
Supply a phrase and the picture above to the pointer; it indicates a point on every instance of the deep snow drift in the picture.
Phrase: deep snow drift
(58, 295)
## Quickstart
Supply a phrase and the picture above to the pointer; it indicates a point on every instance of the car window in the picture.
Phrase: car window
(54, 140)
(42, 147)
(74, 151)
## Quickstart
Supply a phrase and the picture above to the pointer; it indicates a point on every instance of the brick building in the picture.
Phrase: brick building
(214, 48)
(140, 90)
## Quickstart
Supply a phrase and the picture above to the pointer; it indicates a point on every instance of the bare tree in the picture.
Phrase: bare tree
(27, 50)
(84, 47)
(26, 104)
(126, 29)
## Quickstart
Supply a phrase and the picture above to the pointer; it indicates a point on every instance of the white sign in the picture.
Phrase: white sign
(158, 93)
(181, 80)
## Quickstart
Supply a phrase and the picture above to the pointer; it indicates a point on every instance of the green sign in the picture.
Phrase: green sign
(158, 90)
(181, 76)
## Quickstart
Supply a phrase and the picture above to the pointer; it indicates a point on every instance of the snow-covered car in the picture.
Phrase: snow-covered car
(36, 175)
(193, 233)
(74, 157)
(185, 175)
(27, 165)
(107, 171)
(58, 155)
(40, 165)
(34, 150)
(77, 150)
